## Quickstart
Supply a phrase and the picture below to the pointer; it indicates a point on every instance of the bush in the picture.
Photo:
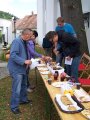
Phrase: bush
(2, 56)
(0, 37)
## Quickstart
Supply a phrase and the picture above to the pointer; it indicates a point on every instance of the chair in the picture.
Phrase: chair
(85, 61)
(84, 79)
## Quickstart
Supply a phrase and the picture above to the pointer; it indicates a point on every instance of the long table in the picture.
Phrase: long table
(52, 92)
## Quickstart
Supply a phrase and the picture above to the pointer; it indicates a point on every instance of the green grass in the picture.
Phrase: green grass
(40, 110)
(42, 104)
(39, 49)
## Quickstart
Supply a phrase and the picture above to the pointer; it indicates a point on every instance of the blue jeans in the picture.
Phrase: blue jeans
(72, 70)
(74, 67)
(59, 58)
(19, 90)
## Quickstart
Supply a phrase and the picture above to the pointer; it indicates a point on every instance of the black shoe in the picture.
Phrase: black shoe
(16, 111)
(26, 102)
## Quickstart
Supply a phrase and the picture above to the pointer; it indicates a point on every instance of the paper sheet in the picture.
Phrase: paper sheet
(68, 62)
(34, 64)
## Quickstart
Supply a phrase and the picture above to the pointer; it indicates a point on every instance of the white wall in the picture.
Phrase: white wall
(88, 38)
(6, 23)
(85, 5)
(40, 19)
(86, 8)
(52, 12)
(48, 11)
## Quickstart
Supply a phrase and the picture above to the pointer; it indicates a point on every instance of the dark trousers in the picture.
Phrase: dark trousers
(72, 70)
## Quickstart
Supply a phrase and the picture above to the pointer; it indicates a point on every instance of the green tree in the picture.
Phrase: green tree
(6, 15)
(0, 36)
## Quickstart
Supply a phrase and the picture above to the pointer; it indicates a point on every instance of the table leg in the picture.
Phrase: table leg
(48, 106)
(36, 75)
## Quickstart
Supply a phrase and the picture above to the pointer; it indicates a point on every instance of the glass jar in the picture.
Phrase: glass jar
(56, 75)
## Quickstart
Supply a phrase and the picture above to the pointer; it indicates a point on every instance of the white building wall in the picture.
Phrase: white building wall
(6, 24)
(52, 12)
(49, 15)
(85, 6)
(86, 9)
(48, 11)
(41, 19)
(88, 38)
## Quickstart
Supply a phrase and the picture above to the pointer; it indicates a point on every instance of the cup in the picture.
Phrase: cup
(56, 75)
(62, 79)
(49, 75)
(49, 81)
(63, 76)
(78, 85)
(39, 62)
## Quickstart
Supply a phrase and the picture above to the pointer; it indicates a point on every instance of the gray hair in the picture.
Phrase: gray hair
(26, 31)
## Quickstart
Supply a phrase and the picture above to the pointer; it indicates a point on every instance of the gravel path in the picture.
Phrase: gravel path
(3, 70)
(3, 67)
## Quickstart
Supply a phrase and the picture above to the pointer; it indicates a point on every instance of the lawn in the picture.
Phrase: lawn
(40, 109)
(42, 105)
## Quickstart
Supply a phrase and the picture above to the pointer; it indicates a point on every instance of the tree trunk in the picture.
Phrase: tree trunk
(71, 11)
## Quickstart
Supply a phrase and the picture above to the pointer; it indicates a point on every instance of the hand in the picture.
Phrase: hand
(28, 62)
(57, 52)
(43, 57)
(54, 51)
(68, 58)
(48, 58)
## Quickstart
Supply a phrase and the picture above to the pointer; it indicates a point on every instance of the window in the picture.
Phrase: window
(86, 19)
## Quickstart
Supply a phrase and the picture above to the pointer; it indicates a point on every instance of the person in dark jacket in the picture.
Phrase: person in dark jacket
(47, 44)
(70, 49)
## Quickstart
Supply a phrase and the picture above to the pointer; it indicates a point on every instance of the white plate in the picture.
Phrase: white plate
(37, 59)
(45, 73)
(58, 84)
(43, 69)
(65, 107)
(41, 65)
(86, 113)
(82, 94)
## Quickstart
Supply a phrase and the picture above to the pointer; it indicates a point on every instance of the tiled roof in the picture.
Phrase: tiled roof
(29, 21)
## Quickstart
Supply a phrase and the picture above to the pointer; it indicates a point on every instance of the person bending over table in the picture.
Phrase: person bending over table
(70, 49)
(47, 45)
(63, 26)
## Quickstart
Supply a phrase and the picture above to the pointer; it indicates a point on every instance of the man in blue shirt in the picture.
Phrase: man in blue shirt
(65, 27)
(18, 64)
(68, 28)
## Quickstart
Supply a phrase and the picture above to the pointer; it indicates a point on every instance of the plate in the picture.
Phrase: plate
(82, 95)
(86, 113)
(45, 72)
(43, 69)
(72, 106)
(37, 59)
(57, 84)
(41, 65)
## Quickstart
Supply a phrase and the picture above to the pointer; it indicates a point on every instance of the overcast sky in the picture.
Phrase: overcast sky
(19, 8)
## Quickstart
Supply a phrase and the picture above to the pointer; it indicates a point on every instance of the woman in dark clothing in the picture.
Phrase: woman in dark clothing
(47, 44)
(71, 49)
